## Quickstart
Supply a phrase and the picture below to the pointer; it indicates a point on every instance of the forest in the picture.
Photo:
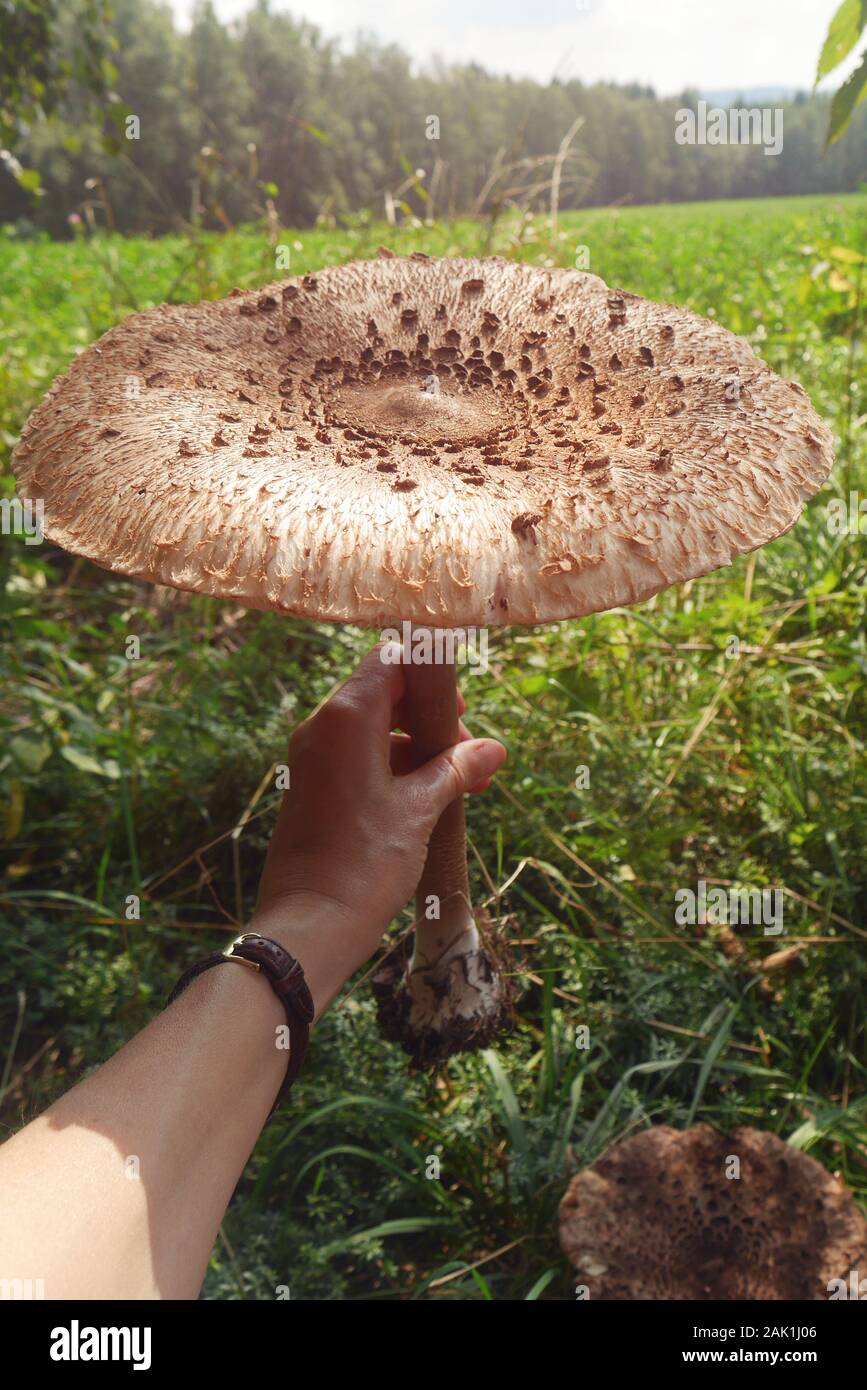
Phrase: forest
(269, 116)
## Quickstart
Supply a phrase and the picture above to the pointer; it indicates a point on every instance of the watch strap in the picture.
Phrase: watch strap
(285, 976)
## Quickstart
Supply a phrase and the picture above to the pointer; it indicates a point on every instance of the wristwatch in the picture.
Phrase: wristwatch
(285, 976)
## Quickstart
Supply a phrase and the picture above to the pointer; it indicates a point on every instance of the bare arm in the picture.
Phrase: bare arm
(119, 1188)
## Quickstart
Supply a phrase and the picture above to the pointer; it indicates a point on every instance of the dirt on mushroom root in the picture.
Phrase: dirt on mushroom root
(430, 1048)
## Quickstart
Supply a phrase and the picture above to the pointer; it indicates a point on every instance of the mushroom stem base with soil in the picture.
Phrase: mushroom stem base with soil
(440, 992)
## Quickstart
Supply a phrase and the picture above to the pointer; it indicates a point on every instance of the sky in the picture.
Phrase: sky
(666, 44)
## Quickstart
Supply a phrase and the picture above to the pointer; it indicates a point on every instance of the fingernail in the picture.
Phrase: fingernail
(491, 756)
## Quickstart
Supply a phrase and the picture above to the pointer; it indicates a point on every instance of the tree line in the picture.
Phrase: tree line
(225, 123)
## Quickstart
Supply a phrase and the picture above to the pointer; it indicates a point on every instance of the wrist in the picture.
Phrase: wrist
(325, 937)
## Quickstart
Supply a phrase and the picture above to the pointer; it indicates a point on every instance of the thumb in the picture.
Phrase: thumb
(457, 770)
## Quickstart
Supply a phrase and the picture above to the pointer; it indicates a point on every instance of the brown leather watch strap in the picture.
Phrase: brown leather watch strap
(286, 977)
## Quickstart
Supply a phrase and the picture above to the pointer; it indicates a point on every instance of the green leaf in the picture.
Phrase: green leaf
(531, 685)
(404, 1226)
(30, 752)
(826, 585)
(509, 1102)
(842, 35)
(14, 817)
(317, 133)
(845, 100)
(717, 1044)
(356, 1151)
(85, 763)
(482, 1285)
(540, 1285)
(29, 179)
(38, 895)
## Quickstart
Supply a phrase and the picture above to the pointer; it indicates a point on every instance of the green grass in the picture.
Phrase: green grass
(120, 778)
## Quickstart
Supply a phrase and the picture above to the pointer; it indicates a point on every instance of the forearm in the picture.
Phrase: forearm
(118, 1190)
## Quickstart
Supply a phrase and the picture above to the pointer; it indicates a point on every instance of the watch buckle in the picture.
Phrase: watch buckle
(242, 960)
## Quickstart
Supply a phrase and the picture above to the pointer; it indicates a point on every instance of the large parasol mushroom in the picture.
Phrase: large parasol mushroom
(692, 1214)
(452, 443)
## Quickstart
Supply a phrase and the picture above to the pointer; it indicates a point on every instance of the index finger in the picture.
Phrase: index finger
(375, 687)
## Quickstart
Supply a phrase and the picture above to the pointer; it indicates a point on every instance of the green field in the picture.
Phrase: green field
(119, 778)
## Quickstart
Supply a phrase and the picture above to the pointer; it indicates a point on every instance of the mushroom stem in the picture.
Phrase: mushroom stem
(443, 995)
(443, 909)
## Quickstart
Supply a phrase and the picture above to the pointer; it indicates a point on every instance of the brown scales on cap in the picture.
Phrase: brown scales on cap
(460, 443)
(657, 1217)
(257, 427)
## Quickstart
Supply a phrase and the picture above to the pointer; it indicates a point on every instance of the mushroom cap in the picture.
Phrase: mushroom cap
(454, 442)
(657, 1217)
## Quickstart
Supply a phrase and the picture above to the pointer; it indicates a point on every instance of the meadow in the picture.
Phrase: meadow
(741, 763)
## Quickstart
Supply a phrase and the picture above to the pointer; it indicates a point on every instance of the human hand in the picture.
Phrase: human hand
(353, 829)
